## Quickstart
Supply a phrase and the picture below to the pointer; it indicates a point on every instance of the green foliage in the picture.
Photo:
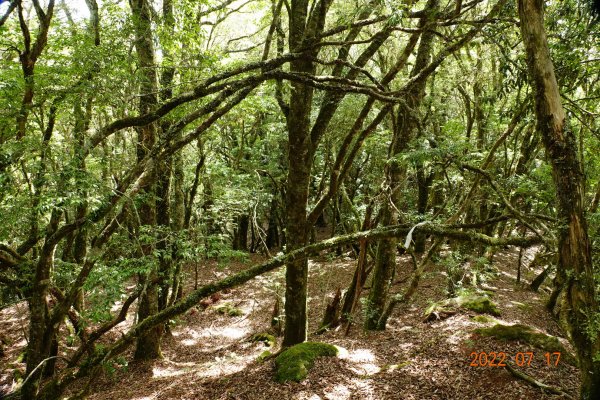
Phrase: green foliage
(106, 285)
(111, 367)
(294, 363)
(454, 267)
(264, 355)
(368, 310)
(219, 247)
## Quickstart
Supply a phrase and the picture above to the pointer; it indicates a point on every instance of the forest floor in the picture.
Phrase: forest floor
(208, 356)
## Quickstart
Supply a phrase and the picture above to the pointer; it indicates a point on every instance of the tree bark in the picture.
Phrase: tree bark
(574, 252)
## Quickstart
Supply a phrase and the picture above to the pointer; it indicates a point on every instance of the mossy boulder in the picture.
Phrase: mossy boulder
(228, 309)
(294, 363)
(527, 334)
(481, 305)
(266, 338)
(477, 303)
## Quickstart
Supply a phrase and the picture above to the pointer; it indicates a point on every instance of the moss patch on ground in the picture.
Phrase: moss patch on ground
(294, 363)
(530, 336)
(484, 319)
(264, 355)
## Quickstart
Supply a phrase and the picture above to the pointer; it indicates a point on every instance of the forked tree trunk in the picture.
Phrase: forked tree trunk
(574, 253)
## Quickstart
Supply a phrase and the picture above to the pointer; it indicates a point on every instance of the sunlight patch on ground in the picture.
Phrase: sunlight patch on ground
(15, 313)
(167, 372)
(220, 366)
(511, 276)
(364, 359)
(358, 355)
(406, 328)
(226, 365)
(194, 337)
(454, 324)
(338, 392)
(406, 346)
(364, 389)
(456, 338)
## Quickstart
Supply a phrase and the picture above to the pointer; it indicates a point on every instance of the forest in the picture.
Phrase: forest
(299, 199)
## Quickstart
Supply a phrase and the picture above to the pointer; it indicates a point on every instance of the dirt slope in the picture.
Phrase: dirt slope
(209, 357)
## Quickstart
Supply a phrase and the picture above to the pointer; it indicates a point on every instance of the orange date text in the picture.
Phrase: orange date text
(521, 359)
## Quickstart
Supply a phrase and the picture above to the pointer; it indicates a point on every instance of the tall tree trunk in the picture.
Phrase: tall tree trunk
(303, 31)
(240, 235)
(148, 344)
(163, 221)
(574, 253)
(273, 228)
(298, 179)
(177, 224)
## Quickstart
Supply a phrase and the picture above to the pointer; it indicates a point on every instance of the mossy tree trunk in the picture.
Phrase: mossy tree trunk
(303, 33)
(148, 344)
(574, 252)
(298, 179)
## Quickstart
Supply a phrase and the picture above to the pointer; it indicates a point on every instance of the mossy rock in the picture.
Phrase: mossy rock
(229, 309)
(479, 304)
(294, 363)
(530, 336)
(266, 338)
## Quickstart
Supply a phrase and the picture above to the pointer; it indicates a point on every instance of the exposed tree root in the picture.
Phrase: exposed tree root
(531, 380)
